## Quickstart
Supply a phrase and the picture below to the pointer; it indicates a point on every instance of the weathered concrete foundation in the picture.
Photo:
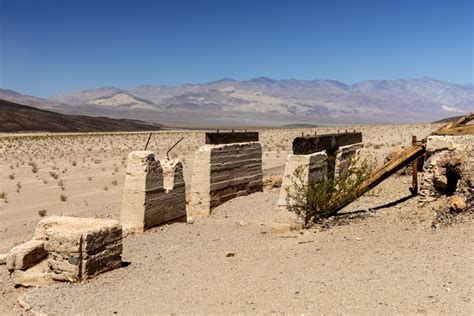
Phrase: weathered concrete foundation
(222, 172)
(154, 192)
(316, 165)
(80, 248)
(331, 155)
(66, 249)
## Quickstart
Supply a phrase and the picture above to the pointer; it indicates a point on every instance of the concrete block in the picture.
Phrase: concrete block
(80, 248)
(26, 255)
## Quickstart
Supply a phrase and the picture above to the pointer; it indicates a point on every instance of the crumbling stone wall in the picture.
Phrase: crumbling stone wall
(223, 172)
(448, 168)
(148, 198)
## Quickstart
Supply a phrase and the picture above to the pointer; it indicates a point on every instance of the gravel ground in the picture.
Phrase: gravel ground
(391, 262)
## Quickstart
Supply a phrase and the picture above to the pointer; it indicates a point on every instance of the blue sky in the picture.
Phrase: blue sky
(49, 47)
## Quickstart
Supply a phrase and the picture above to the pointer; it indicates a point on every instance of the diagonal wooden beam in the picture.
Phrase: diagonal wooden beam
(461, 122)
(409, 155)
(385, 171)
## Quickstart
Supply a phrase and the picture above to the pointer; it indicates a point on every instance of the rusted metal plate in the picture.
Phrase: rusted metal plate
(231, 137)
(310, 144)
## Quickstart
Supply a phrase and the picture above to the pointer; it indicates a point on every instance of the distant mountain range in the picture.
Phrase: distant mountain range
(264, 100)
(21, 118)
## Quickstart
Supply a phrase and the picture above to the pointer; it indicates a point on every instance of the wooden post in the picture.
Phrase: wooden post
(414, 171)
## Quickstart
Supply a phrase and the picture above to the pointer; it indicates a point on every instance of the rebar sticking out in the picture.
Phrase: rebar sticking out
(148, 141)
(167, 157)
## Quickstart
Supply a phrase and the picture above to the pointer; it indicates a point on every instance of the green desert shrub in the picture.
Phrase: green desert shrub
(314, 201)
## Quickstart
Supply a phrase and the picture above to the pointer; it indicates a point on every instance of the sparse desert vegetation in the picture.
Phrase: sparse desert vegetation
(236, 157)
(388, 244)
(94, 186)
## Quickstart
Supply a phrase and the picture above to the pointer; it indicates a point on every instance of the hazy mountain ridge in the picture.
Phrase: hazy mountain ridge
(14, 96)
(402, 100)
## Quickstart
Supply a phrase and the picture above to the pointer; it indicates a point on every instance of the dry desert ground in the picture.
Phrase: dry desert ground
(388, 260)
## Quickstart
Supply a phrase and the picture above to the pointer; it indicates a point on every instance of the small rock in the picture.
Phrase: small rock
(190, 220)
(458, 204)
(230, 254)
(241, 223)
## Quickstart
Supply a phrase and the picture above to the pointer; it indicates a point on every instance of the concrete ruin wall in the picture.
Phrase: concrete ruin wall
(67, 249)
(154, 192)
(448, 168)
(223, 172)
(315, 165)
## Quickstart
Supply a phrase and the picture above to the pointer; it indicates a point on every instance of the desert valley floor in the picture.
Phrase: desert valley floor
(389, 260)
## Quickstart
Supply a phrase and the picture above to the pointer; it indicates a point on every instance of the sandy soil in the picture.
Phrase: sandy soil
(388, 261)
